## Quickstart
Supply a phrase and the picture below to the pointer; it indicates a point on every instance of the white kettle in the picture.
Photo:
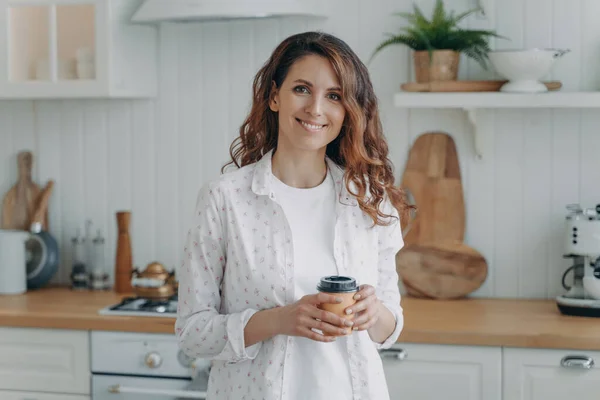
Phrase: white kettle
(13, 261)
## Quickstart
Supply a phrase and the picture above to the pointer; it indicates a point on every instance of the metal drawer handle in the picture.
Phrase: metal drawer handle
(577, 362)
(187, 394)
(398, 354)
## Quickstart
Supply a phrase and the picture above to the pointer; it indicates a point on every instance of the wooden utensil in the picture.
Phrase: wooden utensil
(435, 263)
(123, 262)
(22, 199)
(465, 86)
(41, 207)
(42, 246)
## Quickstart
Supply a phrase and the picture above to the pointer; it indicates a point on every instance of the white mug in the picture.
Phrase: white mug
(13, 261)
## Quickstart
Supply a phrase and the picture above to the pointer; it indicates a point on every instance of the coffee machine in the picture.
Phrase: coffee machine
(582, 245)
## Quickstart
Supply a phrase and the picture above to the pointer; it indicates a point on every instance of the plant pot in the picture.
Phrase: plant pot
(444, 66)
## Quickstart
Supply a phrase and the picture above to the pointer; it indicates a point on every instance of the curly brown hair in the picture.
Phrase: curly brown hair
(360, 148)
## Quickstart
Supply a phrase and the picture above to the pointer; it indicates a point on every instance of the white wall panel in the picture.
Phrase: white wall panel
(152, 156)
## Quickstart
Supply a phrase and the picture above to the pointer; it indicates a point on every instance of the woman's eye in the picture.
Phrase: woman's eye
(301, 89)
(335, 96)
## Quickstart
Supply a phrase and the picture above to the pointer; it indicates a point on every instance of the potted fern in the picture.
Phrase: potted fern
(438, 42)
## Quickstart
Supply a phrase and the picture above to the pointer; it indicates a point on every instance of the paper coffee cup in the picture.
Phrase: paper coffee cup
(344, 287)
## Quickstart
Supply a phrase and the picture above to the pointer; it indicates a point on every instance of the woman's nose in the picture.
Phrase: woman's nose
(314, 107)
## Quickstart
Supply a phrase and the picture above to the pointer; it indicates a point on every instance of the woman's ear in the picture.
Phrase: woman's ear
(274, 98)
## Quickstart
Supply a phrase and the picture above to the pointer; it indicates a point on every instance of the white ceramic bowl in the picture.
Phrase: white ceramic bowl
(524, 68)
(591, 285)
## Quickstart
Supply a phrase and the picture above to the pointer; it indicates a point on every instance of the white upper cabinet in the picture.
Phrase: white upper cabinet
(76, 49)
(212, 10)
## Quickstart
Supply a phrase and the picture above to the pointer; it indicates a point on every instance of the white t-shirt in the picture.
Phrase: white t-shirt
(319, 370)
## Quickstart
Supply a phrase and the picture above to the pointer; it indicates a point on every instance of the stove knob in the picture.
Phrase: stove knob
(153, 360)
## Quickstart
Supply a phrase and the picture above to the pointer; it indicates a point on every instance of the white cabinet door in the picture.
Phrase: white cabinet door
(10, 395)
(550, 374)
(434, 372)
(45, 360)
(52, 49)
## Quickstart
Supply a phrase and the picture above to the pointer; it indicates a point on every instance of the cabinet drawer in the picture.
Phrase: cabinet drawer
(46, 360)
(428, 372)
(10, 395)
(550, 374)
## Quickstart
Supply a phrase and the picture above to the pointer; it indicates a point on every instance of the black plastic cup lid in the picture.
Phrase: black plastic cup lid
(337, 284)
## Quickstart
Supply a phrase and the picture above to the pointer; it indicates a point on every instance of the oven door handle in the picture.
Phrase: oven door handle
(187, 394)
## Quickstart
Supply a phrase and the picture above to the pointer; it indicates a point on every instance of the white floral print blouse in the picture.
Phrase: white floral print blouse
(239, 260)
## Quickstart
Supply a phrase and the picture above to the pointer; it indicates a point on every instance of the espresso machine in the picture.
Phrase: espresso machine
(582, 246)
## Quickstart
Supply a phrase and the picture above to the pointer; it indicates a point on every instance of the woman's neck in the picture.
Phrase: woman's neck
(299, 169)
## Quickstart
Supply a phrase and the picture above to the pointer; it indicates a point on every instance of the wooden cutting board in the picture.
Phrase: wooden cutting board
(432, 176)
(20, 202)
(435, 263)
(465, 86)
(443, 270)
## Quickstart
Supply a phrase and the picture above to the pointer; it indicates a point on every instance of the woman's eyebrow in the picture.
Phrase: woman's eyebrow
(307, 83)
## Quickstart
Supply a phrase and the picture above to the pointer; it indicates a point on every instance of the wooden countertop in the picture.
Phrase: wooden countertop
(486, 322)
(62, 308)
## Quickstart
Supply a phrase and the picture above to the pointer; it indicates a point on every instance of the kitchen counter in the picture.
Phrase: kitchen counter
(62, 308)
(486, 322)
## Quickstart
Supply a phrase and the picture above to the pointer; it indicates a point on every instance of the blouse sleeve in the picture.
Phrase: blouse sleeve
(390, 242)
(202, 331)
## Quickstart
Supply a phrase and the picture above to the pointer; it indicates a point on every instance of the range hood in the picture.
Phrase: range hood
(211, 10)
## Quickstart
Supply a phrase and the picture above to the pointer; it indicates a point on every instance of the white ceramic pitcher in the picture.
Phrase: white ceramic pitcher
(13, 261)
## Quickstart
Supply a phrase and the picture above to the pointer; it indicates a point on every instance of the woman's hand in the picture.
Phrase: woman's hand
(300, 318)
(366, 309)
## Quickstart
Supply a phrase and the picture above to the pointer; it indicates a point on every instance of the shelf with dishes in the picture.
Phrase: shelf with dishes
(522, 88)
(474, 103)
(478, 100)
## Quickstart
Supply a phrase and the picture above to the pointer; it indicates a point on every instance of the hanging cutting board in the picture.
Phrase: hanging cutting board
(432, 176)
(435, 263)
(20, 201)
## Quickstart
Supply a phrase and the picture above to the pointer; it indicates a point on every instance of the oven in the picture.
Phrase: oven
(136, 366)
(106, 387)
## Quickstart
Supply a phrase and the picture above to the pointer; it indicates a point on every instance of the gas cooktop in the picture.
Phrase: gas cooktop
(139, 306)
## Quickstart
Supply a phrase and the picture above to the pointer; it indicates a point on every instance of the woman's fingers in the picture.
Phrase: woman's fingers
(366, 323)
(363, 317)
(365, 291)
(326, 327)
(361, 305)
(306, 332)
(330, 318)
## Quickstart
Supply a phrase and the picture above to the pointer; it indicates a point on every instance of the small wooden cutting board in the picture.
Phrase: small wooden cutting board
(20, 201)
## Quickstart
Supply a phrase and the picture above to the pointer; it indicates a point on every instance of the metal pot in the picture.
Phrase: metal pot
(42, 248)
(154, 282)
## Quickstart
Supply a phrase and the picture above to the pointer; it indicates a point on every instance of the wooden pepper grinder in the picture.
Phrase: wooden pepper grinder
(124, 263)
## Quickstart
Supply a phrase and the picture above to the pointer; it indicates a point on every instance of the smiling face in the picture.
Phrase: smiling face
(309, 106)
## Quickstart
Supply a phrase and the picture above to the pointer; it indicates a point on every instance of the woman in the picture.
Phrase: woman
(312, 196)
